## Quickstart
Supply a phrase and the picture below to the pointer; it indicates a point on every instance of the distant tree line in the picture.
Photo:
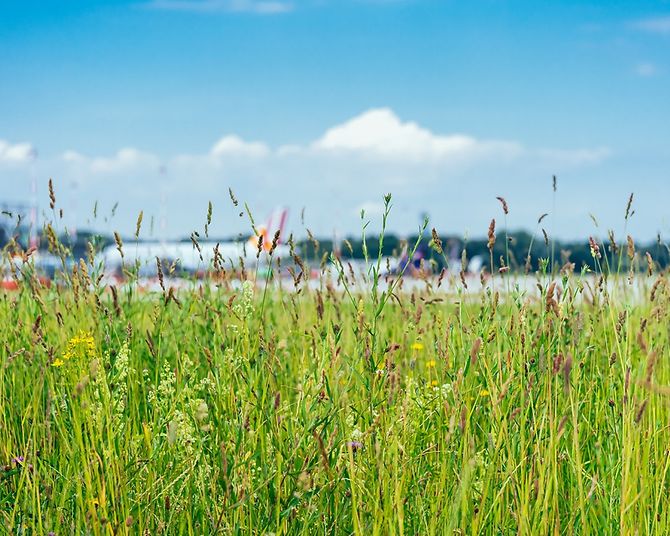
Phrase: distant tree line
(517, 251)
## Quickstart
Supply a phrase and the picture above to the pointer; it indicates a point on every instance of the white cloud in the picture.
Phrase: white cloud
(646, 69)
(380, 133)
(124, 160)
(17, 153)
(382, 144)
(234, 145)
(335, 175)
(261, 7)
(657, 25)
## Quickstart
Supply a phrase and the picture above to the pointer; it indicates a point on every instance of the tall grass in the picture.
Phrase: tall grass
(337, 408)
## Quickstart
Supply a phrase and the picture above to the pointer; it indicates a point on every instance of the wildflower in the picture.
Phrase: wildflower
(58, 362)
(446, 388)
(82, 343)
(354, 445)
(417, 346)
(244, 307)
(484, 392)
(431, 363)
(434, 383)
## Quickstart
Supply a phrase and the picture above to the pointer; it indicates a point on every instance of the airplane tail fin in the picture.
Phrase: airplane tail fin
(281, 223)
(276, 222)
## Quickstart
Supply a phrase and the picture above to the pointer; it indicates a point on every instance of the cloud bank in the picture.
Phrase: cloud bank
(379, 135)
(346, 168)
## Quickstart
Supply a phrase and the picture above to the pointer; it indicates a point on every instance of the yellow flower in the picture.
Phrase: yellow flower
(484, 392)
(431, 363)
(417, 346)
(58, 362)
(84, 341)
(434, 383)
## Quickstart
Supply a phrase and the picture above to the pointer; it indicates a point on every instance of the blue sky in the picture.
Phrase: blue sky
(304, 98)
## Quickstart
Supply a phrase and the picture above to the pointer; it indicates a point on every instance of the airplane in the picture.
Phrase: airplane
(187, 258)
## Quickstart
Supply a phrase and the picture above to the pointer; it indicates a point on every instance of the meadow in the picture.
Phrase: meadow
(354, 405)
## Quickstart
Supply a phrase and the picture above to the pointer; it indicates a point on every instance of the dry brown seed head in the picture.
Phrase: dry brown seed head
(614, 247)
(159, 270)
(651, 365)
(275, 241)
(640, 411)
(119, 243)
(474, 351)
(504, 204)
(52, 194)
(37, 323)
(558, 361)
(462, 420)
(492, 234)
(654, 289)
(437, 242)
(441, 277)
(631, 247)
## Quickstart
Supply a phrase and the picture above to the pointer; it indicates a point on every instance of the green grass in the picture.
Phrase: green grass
(261, 410)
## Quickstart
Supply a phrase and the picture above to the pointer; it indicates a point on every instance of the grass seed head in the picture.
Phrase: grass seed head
(504, 205)
(492, 234)
(52, 195)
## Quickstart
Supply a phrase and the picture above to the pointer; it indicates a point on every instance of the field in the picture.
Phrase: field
(337, 408)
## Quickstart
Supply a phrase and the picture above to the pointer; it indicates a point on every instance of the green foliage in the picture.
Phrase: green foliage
(337, 407)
